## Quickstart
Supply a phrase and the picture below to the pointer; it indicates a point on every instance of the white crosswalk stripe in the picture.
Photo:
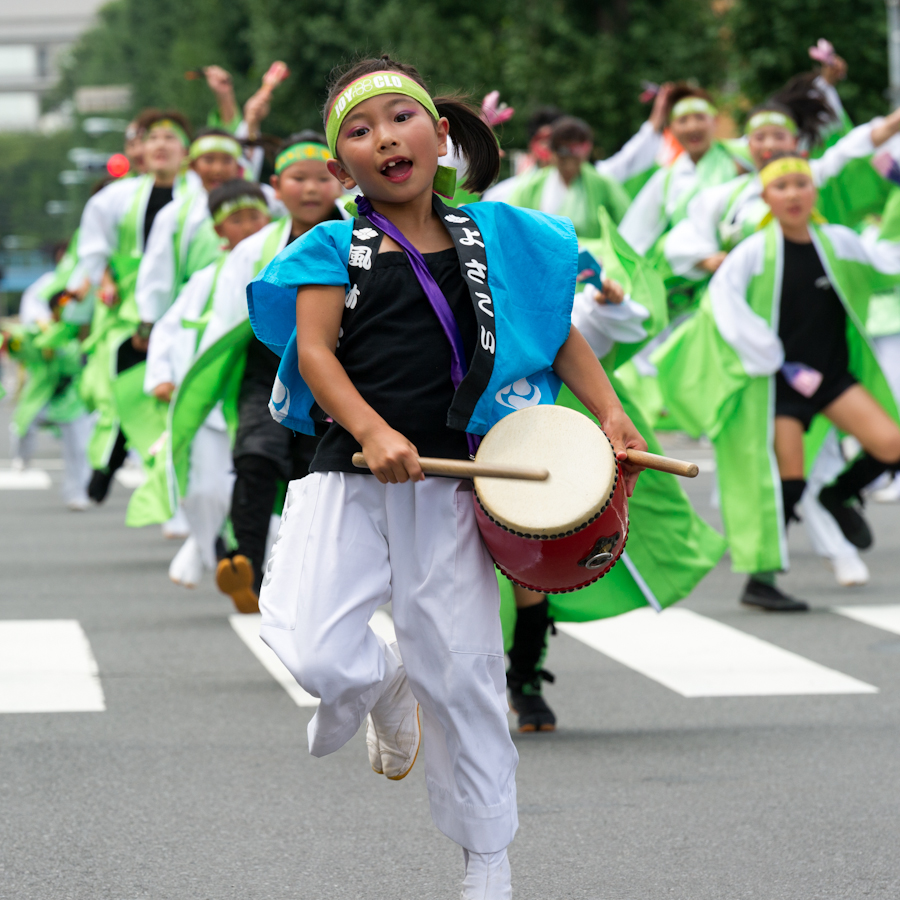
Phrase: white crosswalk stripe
(47, 666)
(699, 657)
(247, 628)
(24, 480)
(885, 617)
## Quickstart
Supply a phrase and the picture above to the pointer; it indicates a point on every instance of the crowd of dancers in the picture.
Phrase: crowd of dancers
(235, 336)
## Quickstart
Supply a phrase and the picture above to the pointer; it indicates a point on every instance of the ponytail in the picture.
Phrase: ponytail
(475, 141)
(805, 103)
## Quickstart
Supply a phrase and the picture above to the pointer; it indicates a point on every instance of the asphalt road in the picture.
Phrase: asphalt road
(195, 781)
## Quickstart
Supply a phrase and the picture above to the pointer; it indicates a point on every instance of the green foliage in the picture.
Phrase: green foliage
(587, 58)
(29, 178)
(771, 38)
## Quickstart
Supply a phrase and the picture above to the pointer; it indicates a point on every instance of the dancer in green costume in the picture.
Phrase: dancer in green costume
(720, 217)
(239, 210)
(570, 186)
(114, 228)
(705, 162)
(778, 348)
(183, 240)
(670, 548)
(50, 355)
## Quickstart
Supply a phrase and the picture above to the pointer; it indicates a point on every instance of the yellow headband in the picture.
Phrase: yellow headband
(787, 165)
(299, 153)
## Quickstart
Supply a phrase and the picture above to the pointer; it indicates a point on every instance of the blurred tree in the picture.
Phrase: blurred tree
(771, 38)
(584, 56)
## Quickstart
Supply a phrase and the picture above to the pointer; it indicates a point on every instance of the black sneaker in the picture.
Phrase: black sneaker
(849, 518)
(526, 701)
(98, 488)
(768, 597)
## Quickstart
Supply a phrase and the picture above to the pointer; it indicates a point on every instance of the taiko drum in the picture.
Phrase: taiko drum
(560, 534)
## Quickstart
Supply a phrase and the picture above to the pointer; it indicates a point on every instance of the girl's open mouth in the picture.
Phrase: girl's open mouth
(397, 169)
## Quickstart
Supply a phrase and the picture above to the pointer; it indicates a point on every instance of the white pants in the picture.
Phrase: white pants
(347, 545)
(210, 483)
(75, 436)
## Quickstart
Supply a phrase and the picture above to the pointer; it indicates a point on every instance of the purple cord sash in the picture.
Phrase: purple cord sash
(458, 364)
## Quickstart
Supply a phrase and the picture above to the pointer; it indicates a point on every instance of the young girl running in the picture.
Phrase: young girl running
(410, 324)
(780, 342)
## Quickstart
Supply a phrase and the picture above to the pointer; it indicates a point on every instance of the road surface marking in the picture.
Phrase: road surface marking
(47, 666)
(24, 480)
(247, 628)
(887, 617)
(699, 657)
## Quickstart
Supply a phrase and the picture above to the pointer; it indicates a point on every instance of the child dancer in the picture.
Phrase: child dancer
(779, 342)
(114, 228)
(570, 186)
(408, 323)
(238, 210)
(183, 240)
(51, 356)
(663, 200)
(265, 454)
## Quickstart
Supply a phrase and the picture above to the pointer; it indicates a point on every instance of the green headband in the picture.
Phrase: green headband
(386, 83)
(300, 152)
(174, 127)
(688, 105)
(771, 117)
(229, 207)
(372, 86)
(215, 143)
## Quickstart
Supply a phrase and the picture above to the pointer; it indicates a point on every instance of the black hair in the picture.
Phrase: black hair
(682, 89)
(148, 117)
(471, 135)
(569, 130)
(307, 136)
(54, 301)
(233, 189)
(543, 115)
(214, 132)
(804, 103)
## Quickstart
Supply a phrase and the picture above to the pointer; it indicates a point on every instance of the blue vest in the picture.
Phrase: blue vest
(520, 267)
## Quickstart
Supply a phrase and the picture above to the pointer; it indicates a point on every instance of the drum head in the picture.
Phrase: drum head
(577, 454)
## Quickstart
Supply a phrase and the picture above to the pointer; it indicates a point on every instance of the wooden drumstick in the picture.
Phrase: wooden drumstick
(663, 463)
(463, 468)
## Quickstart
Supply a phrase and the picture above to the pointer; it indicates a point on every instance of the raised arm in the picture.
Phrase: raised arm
(389, 455)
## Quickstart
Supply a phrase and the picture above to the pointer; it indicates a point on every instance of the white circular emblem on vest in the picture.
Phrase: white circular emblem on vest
(519, 395)
(280, 402)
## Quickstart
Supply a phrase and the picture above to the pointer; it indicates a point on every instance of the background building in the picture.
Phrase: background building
(33, 33)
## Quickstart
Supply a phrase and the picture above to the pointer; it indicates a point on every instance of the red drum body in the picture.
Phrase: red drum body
(560, 534)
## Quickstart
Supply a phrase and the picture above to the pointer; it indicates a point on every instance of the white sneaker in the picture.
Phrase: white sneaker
(18, 464)
(79, 504)
(487, 876)
(393, 734)
(187, 567)
(850, 570)
(890, 493)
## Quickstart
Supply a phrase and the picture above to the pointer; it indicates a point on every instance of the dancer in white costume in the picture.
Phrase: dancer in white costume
(238, 210)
